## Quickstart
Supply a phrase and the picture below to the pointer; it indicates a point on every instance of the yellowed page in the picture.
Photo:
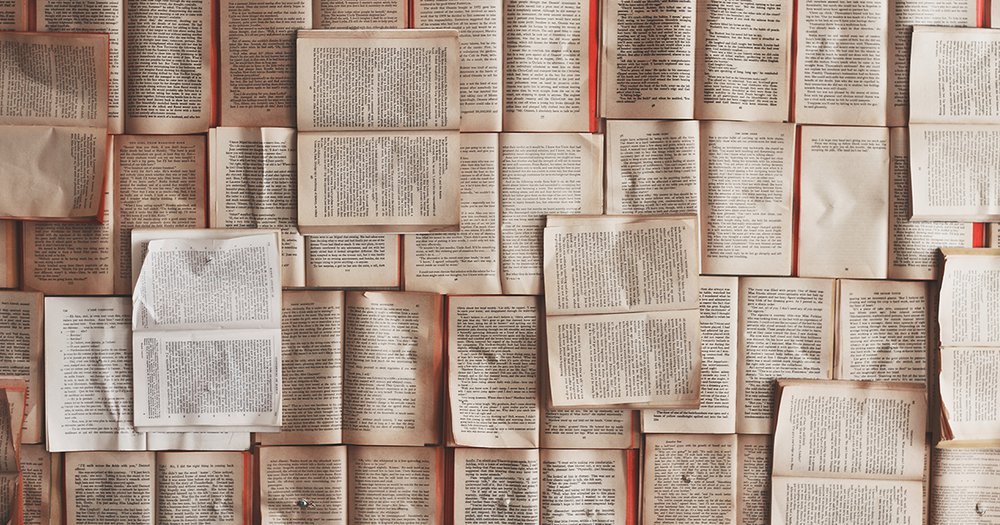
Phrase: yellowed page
(303, 485)
(736, 80)
(350, 14)
(588, 427)
(95, 16)
(110, 487)
(257, 71)
(497, 486)
(579, 485)
(14, 15)
(652, 167)
(36, 479)
(786, 330)
(540, 175)
(493, 348)
(689, 478)
(953, 170)
(353, 261)
(841, 71)
(9, 257)
(844, 218)
(395, 485)
(716, 412)
(546, 65)
(377, 80)
(160, 183)
(648, 61)
(466, 262)
(993, 235)
(21, 349)
(820, 501)
(480, 68)
(747, 180)
(392, 368)
(201, 487)
(965, 486)
(185, 28)
(753, 496)
(952, 70)
(312, 369)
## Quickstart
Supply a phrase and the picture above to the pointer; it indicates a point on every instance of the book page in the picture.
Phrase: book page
(747, 180)
(969, 394)
(548, 69)
(941, 89)
(753, 480)
(93, 16)
(467, 261)
(202, 487)
(185, 28)
(9, 257)
(786, 330)
(952, 172)
(303, 485)
(257, 72)
(736, 80)
(841, 67)
(312, 369)
(88, 375)
(689, 478)
(14, 15)
(350, 14)
(36, 483)
(395, 485)
(493, 347)
(882, 331)
(648, 61)
(965, 486)
(821, 501)
(198, 440)
(970, 303)
(903, 15)
(110, 487)
(21, 330)
(844, 217)
(160, 183)
(541, 175)
(716, 412)
(585, 485)
(913, 246)
(393, 353)
(377, 80)
(378, 182)
(587, 427)
(352, 261)
(497, 486)
(652, 167)
(480, 69)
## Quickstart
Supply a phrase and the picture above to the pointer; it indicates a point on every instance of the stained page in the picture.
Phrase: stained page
(497, 486)
(689, 478)
(304, 485)
(395, 485)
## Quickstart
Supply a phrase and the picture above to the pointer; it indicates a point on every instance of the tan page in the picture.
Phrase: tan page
(392, 368)
(951, 67)
(480, 69)
(184, 27)
(540, 175)
(588, 427)
(497, 486)
(689, 478)
(36, 483)
(844, 217)
(352, 261)
(395, 485)
(965, 486)
(648, 60)
(14, 15)
(578, 485)
(970, 299)
(652, 167)
(786, 331)
(9, 257)
(993, 235)
(21, 326)
(257, 71)
(350, 14)
(93, 16)
(747, 180)
(303, 485)
(312, 369)
(160, 183)
(953, 172)
(716, 412)
(970, 399)
(202, 487)
(753, 480)
(736, 80)
(882, 331)
(841, 72)
(546, 65)
(466, 262)
(493, 348)
(110, 487)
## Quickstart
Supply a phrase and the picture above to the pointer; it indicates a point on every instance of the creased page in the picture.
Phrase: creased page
(744, 59)
(202, 487)
(395, 485)
(953, 171)
(716, 412)
(747, 180)
(753, 497)
(467, 261)
(584, 486)
(497, 486)
(392, 368)
(965, 486)
(540, 175)
(303, 485)
(648, 61)
(353, 261)
(258, 60)
(351, 14)
(168, 92)
(548, 70)
(689, 478)
(652, 167)
(14, 15)
(493, 347)
(21, 328)
(954, 82)
(786, 330)
(110, 487)
(844, 217)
